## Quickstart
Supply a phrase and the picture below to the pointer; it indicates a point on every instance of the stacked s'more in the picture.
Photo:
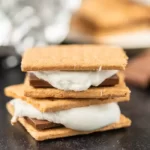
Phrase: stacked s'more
(70, 90)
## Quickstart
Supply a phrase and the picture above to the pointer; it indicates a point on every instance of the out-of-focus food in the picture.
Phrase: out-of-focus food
(138, 70)
(117, 22)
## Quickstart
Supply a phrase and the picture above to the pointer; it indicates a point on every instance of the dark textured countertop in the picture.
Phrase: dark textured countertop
(137, 137)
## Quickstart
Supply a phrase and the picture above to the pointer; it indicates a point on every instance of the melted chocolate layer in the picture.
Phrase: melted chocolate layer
(39, 83)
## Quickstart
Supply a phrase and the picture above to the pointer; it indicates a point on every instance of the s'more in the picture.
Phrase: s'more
(70, 90)
(115, 22)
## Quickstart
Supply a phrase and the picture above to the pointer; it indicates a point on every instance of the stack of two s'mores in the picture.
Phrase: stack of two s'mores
(70, 90)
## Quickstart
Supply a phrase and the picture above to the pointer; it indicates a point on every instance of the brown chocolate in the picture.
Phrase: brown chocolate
(137, 72)
(41, 124)
(39, 83)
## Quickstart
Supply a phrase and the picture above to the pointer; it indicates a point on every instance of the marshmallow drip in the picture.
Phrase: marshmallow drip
(82, 118)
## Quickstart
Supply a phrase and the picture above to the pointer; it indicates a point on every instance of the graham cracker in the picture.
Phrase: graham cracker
(94, 92)
(41, 135)
(74, 57)
(114, 13)
(81, 26)
(47, 105)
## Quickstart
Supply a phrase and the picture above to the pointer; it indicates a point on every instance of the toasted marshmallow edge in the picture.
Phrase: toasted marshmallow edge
(74, 80)
(128, 40)
(81, 119)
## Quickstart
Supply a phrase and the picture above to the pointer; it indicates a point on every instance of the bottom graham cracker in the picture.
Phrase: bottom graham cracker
(41, 135)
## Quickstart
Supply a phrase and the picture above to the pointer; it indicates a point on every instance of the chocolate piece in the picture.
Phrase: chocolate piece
(41, 124)
(138, 70)
(39, 83)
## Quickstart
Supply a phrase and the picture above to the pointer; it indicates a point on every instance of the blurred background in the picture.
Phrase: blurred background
(126, 23)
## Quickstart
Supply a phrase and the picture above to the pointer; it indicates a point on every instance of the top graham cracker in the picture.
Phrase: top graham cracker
(74, 57)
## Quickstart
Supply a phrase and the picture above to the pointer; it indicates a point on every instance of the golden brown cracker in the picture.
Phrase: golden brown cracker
(45, 105)
(41, 135)
(114, 13)
(84, 28)
(74, 57)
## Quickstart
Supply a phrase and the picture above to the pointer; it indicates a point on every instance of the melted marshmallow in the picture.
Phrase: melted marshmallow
(145, 2)
(75, 80)
(138, 39)
(82, 119)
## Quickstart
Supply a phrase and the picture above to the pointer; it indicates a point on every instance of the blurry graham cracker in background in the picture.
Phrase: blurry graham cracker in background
(98, 20)
(113, 13)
